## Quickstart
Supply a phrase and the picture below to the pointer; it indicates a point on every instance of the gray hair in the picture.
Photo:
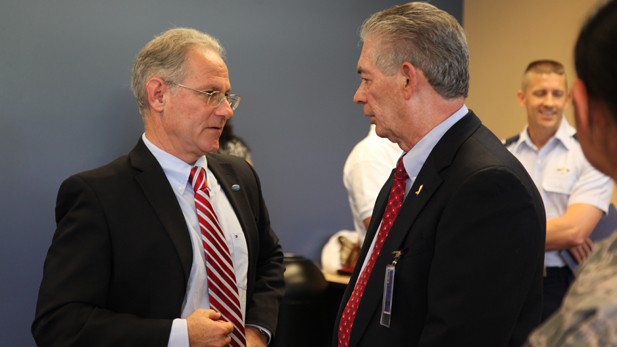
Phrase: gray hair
(165, 57)
(430, 39)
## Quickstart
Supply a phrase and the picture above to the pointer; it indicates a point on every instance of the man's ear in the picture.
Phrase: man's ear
(156, 89)
(409, 74)
(581, 107)
(520, 96)
(568, 100)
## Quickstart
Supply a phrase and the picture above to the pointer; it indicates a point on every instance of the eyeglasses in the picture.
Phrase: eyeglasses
(215, 101)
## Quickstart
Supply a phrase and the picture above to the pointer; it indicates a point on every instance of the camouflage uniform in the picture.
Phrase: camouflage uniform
(588, 315)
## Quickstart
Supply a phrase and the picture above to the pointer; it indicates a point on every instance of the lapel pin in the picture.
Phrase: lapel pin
(397, 256)
(418, 192)
(235, 187)
(563, 170)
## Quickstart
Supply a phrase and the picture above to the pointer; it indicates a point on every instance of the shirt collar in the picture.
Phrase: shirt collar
(371, 131)
(176, 170)
(415, 158)
(563, 134)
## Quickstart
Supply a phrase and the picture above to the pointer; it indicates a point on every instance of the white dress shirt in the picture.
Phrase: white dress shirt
(366, 170)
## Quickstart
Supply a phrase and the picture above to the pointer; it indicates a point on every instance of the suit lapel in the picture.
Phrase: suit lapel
(372, 297)
(156, 187)
(429, 179)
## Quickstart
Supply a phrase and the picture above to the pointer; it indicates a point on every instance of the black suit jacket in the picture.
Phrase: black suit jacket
(118, 266)
(472, 230)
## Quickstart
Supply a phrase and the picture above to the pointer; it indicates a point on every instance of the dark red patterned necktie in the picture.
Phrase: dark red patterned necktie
(222, 288)
(395, 200)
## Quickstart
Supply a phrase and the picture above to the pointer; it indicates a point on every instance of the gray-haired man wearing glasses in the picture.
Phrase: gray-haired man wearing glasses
(127, 266)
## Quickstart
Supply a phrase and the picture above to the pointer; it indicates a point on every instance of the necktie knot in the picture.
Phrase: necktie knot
(401, 173)
(198, 178)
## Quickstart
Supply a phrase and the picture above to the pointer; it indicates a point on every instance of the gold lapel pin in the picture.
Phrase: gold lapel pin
(563, 170)
(418, 192)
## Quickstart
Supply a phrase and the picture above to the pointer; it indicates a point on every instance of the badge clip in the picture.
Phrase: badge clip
(388, 290)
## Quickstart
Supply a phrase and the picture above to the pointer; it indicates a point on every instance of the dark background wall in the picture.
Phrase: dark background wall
(66, 106)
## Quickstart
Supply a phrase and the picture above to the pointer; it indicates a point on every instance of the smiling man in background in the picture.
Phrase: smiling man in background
(575, 195)
(588, 316)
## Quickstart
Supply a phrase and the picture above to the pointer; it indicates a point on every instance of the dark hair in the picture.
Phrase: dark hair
(227, 136)
(595, 55)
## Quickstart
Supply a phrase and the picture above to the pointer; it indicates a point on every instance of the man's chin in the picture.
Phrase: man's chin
(382, 133)
(211, 147)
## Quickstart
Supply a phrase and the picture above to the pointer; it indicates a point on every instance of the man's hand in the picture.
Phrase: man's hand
(254, 338)
(206, 329)
(582, 251)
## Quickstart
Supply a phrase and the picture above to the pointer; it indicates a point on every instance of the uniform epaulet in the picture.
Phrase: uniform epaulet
(511, 140)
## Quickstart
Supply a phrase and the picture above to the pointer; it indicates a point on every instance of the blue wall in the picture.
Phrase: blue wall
(66, 106)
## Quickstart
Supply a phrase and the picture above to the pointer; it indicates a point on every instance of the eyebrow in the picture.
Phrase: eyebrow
(212, 88)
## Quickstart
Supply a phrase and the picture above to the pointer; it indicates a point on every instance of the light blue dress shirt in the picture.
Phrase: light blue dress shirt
(177, 173)
(563, 176)
(415, 158)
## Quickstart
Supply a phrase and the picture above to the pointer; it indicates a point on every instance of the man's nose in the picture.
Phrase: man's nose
(224, 110)
(549, 101)
(360, 96)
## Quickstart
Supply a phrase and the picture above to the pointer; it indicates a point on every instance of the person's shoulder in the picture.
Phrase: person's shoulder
(112, 169)
(374, 148)
(116, 176)
(511, 140)
(487, 148)
(483, 151)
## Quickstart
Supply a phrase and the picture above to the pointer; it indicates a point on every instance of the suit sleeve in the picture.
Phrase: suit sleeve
(269, 282)
(76, 281)
(488, 246)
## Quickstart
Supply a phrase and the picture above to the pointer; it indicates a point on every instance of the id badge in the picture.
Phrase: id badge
(388, 288)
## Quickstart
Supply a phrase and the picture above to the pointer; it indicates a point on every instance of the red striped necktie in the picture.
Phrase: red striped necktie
(222, 288)
(395, 200)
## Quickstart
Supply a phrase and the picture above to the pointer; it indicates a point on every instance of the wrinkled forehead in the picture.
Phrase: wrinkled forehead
(206, 68)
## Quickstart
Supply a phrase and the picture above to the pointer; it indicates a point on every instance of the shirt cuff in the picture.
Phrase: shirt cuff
(262, 330)
(179, 335)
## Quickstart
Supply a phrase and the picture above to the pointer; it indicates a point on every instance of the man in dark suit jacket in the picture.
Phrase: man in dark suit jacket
(125, 259)
(467, 244)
